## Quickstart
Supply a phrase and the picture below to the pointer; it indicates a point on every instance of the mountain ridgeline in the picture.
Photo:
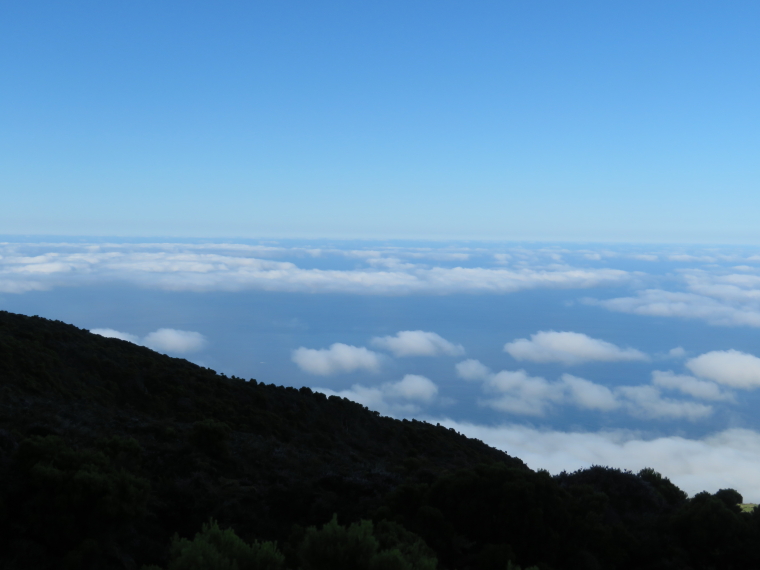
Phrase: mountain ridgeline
(114, 456)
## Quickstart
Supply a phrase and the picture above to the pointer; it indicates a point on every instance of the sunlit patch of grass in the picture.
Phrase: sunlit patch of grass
(748, 507)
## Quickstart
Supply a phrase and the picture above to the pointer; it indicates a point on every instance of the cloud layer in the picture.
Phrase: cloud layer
(720, 287)
(569, 348)
(719, 296)
(727, 459)
(659, 303)
(237, 267)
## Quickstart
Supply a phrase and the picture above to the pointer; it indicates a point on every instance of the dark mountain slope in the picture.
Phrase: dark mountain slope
(255, 456)
(107, 449)
(67, 379)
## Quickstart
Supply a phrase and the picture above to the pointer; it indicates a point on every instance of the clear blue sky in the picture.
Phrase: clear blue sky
(599, 121)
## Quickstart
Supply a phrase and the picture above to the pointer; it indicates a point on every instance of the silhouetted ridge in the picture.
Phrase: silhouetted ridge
(107, 449)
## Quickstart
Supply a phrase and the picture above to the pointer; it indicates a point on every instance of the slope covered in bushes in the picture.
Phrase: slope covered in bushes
(109, 450)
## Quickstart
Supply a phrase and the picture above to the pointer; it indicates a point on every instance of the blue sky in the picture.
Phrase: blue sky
(535, 222)
(427, 120)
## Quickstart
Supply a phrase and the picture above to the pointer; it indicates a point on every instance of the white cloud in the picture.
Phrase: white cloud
(336, 359)
(175, 341)
(646, 402)
(472, 369)
(392, 398)
(694, 387)
(417, 343)
(677, 352)
(111, 333)
(586, 394)
(729, 367)
(519, 393)
(414, 387)
(569, 348)
(728, 459)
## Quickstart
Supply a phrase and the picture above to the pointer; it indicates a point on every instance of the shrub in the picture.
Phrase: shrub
(364, 546)
(334, 547)
(393, 537)
(217, 549)
(389, 560)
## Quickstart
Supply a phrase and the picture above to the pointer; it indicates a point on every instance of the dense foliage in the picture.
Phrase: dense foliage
(114, 456)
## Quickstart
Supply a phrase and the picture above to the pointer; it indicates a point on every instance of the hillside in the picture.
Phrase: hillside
(107, 449)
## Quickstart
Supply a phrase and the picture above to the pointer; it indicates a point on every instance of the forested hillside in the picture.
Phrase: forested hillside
(108, 450)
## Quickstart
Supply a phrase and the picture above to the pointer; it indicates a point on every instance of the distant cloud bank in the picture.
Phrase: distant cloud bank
(237, 267)
(726, 459)
(721, 287)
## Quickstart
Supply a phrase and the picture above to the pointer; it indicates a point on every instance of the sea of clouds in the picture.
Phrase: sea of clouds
(717, 287)
(722, 288)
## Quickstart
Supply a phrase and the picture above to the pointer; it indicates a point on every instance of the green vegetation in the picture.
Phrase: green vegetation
(113, 456)
(217, 549)
(363, 546)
